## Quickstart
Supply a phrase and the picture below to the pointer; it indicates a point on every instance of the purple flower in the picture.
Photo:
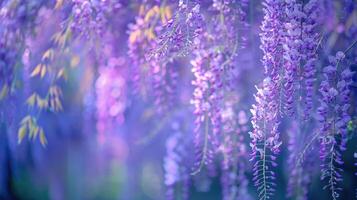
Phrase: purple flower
(151, 75)
(292, 53)
(234, 154)
(89, 18)
(333, 118)
(212, 68)
(301, 162)
(111, 91)
(177, 177)
(265, 142)
(178, 34)
(206, 99)
(16, 23)
(310, 37)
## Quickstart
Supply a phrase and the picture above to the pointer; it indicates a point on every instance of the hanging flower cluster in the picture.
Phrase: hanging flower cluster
(234, 151)
(310, 38)
(213, 69)
(17, 19)
(265, 113)
(177, 175)
(142, 38)
(334, 117)
(302, 42)
(89, 18)
(292, 51)
(265, 137)
(111, 95)
(179, 32)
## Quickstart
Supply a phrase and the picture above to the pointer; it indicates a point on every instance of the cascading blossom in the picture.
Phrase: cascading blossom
(177, 177)
(265, 142)
(203, 100)
(179, 32)
(334, 90)
(300, 51)
(300, 171)
(17, 19)
(272, 37)
(212, 68)
(142, 38)
(234, 151)
(164, 82)
(310, 37)
(111, 96)
(292, 51)
(300, 56)
(89, 17)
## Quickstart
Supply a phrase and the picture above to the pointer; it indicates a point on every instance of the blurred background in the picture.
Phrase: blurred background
(105, 140)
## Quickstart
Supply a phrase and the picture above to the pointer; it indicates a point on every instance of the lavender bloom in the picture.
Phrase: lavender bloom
(111, 96)
(164, 82)
(179, 32)
(271, 37)
(151, 72)
(302, 80)
(82, 16)
(292, 53)
(234, 151)
(89, 17)
(177, 178)
(310, 37)
(333, 120)
(300, 172)
(17, 20)
(235, 183)
(300, 45)
(213, 68)
(265, 141)
(204, 99)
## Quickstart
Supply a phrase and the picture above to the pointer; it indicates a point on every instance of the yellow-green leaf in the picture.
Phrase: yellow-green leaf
(37, 70)
(74, 61)
(4, 91)
(31, 100)
(33, 132)
(25, 119)
(56, 37)
(43, 71)
(60, 73)
(42, 103)
(58, 105)
(21, 133)
(48, 54)
(43, 139)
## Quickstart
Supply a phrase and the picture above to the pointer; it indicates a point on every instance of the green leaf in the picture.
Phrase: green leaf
(37, 70)
(31, 100)
(4, 91)
(21, 133)
(43, 71)
(25, 119)
(43, 139)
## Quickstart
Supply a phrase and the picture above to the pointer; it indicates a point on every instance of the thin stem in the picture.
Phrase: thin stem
(205, 149)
